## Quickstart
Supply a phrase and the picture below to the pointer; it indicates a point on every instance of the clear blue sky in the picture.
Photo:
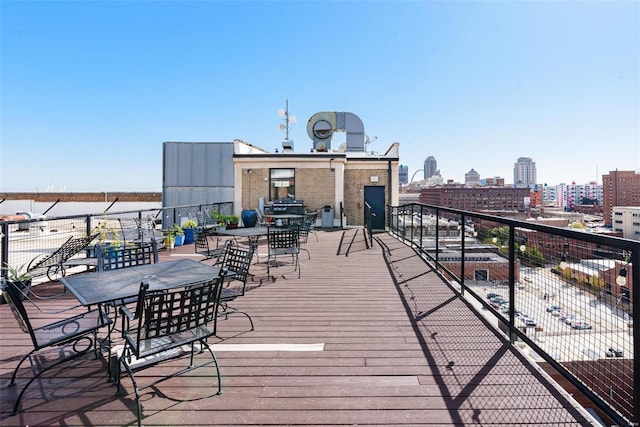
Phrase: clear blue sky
(90, 89)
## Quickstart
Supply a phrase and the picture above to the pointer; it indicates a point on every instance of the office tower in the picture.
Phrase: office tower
(430, 167)
(619, 188)
(524, 172)
(403, 174)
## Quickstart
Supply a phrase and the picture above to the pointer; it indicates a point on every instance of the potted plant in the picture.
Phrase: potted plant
(189, 227)
(18, 277)
(178, 235)
(169, 239)
(108, 237)
(232, 221)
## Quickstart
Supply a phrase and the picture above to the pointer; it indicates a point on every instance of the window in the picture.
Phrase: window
(282, 184)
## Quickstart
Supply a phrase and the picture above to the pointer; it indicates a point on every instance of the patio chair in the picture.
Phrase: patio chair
(304, 230)
(283, 242)
(62, 341)
(202, 246)
(237, 262)
(131, 229)
(166, 325)
(130, 255)
(54, 264)
(312, 217)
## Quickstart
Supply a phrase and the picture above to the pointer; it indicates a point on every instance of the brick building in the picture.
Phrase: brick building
(619, 188)
(477, 198)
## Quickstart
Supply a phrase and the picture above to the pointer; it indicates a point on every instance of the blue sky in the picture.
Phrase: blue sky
(90, 90)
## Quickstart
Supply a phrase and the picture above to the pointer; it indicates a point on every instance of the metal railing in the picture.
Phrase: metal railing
(22, 241)
(566, 295)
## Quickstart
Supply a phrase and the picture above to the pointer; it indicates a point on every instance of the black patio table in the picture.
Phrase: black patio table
(115, 285)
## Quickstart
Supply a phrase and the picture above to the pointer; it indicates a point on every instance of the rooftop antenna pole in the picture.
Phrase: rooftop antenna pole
(288, 120)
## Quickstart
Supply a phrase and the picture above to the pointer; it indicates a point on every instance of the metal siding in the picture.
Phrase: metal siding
(197, 173)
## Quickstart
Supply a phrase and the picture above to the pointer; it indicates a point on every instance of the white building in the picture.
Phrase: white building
(626, 219)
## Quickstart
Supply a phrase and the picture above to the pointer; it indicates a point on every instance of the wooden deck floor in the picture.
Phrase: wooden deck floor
(394, 346)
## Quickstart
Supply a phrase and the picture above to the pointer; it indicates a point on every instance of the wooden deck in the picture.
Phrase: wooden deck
(376, 338)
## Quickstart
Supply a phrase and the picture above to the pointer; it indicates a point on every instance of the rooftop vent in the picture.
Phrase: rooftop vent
(321, 127)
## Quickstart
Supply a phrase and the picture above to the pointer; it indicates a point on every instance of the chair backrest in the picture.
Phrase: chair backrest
(14, 297)
(130, 255)
(131, 229)
(71, 247)
(283, 238)
(181, 315)
(304, 229)
(201, 245)
(237, 261)
(202, 218)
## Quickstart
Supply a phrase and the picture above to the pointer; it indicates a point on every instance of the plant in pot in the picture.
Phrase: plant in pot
(169, 239)
(219, 219)
(189, 227)
(108, 237)
(18, 277)
(232, 221)
(178, 235)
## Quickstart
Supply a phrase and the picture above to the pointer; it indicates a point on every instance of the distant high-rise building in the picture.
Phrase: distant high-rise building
(403, 174)
(619, 188)
(524, 172)
(430, 167)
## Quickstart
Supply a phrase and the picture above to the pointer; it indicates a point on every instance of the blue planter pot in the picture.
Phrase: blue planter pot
(249, 217)
(179, 240)
(189, 236)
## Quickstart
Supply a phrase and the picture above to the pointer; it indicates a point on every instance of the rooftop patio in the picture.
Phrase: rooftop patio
(366, 336)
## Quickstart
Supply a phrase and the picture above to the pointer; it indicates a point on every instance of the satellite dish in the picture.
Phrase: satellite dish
(292, 119)
(282, 126)
(281, 112)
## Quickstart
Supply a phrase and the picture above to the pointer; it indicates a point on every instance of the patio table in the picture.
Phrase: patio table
(115, 285)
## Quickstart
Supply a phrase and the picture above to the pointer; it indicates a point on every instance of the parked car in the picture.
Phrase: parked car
(551, 308)
(527, 320)
(581, 325)
(492, 295)
(614, 352)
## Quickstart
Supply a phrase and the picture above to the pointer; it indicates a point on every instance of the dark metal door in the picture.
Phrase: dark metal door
(374, 196)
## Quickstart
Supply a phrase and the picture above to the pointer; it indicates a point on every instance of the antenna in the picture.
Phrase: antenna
(288, 120)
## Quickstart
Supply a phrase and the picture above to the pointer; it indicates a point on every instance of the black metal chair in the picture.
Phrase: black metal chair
(283, 242)
(166, 325)
(202, 246)
(237, 262)
(75, 336)
(304, 230)
(53, 265)
(130, 255)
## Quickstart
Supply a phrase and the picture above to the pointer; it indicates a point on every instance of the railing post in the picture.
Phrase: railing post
(512, 286)
(635, 272)
(437, 237)
(462, 252)
(4, 261)
(421, 233)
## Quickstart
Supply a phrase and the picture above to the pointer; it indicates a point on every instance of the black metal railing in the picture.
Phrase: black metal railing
(566, 295)
(368, 223)
(23, 241)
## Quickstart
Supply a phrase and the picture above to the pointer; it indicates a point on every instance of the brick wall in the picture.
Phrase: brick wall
(354, 182)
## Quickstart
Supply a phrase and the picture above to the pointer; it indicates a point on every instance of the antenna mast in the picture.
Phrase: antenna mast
(288, 120)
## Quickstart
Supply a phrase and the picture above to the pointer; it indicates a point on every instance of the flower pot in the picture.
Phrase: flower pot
(23, 288)
(179, 240)
(232, 226)
(189, 236)
(249, 217)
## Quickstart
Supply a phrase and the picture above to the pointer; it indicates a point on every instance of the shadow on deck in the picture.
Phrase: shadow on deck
(372, 338)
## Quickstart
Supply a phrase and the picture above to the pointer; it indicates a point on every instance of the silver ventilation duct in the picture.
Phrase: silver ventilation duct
(321, 127)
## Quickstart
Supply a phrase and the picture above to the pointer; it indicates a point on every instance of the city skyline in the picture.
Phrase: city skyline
(91, 90)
